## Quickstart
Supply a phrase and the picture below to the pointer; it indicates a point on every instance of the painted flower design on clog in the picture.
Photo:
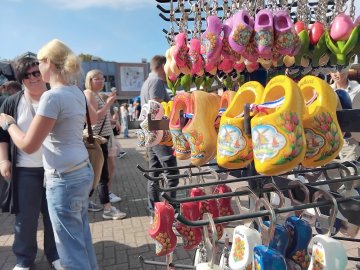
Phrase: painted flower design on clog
(264, 38)
(196, 144)
(326, 126)
(290, 124)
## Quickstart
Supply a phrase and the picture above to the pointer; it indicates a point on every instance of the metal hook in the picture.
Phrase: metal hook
(277, 191)
(322, 193)
(267, 233)
(252, 196)
(214, 236)
(298, 184)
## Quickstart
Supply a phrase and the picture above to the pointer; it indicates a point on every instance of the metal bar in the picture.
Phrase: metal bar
(227, 181)
(241, 193)
(345, 239)
(175, 167)
(143, 261)
(356, 259)
(186, 175)
(262, 213)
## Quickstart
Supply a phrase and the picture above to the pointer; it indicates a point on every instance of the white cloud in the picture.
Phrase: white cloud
(84, 4)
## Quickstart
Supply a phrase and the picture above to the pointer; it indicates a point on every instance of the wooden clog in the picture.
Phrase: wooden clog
(161, 228)
(182, 102)
(234, 146)
(167, 139)
(277, 131)
(200, 130)
(323, 135)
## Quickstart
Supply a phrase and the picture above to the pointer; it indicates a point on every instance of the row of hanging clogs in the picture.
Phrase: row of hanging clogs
(226, 46)
(292, 123)
(273, 246)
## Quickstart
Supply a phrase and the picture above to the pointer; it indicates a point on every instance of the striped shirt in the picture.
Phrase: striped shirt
(106, 130)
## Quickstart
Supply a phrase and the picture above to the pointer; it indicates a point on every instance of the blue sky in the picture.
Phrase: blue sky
(115, 30)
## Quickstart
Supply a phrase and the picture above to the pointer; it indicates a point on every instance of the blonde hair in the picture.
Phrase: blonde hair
(91, 74)
(66, 62)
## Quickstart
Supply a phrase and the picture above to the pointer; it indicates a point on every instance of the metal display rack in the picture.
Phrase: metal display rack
(189, 16)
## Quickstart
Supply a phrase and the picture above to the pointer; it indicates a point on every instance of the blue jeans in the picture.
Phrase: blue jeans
(32, 200)
(68, 195)
(161, 156)
(124, 124)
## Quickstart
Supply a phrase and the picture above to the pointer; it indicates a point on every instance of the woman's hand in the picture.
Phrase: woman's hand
(5, 169)
(4, 118)
(111, 99)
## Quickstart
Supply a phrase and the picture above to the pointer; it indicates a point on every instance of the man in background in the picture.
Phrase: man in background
(160, 156)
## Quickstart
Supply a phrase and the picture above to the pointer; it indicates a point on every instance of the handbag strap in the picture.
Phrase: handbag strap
(90, 139)
(102, 126)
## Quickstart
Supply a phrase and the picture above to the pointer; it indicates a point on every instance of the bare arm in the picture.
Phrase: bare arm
(5, 164)
(30, 141)
(93, 103)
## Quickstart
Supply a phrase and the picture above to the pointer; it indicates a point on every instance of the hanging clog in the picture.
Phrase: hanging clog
(200, 130)
(182, 102)
(234, 145)
(191, 236)
(244, 240)
(277, 131)
(210, 40)
(287, 41)
(265, 257)
(161, 228)
(167, 139)
(300, 231)
(323, 135)
(196, 60)
(326, 252)
(155, 109)
(242, 31)
(264, 33)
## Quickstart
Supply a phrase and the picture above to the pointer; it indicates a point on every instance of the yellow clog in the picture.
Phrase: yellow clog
(200, 130)
(234, 146)
(182, 102)
(322, 131)
(225, 102)
(277, 133)
(167, 139)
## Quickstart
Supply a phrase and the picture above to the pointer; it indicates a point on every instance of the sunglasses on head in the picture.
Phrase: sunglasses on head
(35, 74)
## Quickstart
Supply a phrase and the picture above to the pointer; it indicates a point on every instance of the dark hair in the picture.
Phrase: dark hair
(12, 85)
(157, 61)
(22, 65)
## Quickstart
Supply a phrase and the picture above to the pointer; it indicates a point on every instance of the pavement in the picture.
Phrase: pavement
(118, 243)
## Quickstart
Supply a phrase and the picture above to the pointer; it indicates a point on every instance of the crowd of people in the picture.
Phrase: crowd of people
(45, 162)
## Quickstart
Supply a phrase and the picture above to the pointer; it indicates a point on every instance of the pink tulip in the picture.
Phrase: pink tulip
(324, 127)
(341, 27)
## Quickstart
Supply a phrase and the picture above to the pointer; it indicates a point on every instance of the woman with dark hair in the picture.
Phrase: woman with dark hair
(57, 128)
(26, 196)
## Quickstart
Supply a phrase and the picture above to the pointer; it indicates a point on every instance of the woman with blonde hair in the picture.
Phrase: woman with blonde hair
(57, 127)
(94, 83)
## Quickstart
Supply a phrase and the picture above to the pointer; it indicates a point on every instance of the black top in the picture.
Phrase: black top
(8, 196)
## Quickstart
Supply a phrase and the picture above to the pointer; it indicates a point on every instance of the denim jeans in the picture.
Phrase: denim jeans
(124, 124)
(160, 156)
(32, 201)
(68, 196)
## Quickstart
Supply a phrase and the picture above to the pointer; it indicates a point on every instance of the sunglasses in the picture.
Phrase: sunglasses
(35, 74)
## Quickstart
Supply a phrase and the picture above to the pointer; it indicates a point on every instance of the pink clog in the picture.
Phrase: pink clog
(264, 33)
(242, 31)
(286, 40)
